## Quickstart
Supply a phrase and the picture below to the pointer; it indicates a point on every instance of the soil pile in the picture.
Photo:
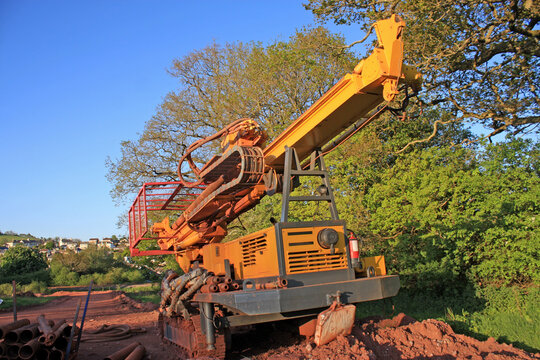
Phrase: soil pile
(401, 338)
(127, 303)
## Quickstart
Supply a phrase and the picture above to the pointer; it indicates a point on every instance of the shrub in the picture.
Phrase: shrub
(37, 287)
(18, 262)
(63, 276)
(6, 290)
(26, 278)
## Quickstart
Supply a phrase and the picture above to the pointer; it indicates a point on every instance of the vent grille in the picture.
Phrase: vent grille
(251, 247)
(314, 260)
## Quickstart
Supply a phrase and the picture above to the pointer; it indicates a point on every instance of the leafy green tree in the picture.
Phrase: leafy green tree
(480, 59)
(271, 84)
(444, 215)
(20, 259)
(88, 261)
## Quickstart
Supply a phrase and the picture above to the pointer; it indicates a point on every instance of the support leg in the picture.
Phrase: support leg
(207, 319)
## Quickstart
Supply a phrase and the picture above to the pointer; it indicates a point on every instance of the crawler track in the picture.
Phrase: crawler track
(187, 339)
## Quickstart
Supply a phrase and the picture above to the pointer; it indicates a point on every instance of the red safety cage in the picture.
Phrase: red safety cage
(152, 197)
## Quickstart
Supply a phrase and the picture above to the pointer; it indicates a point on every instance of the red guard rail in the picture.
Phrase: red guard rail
(156, 196)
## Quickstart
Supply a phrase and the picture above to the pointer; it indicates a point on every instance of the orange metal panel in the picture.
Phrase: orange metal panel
(303, 253)
(341, 106)
(252, 256)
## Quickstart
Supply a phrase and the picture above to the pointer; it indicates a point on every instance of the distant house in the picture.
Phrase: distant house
(93, 241)
(13, 243)
(123, 243)
(30, 243)
(108, 243)
(83, 245)
(67, 244)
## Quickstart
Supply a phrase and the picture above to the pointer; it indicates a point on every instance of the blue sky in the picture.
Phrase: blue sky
(78, 77)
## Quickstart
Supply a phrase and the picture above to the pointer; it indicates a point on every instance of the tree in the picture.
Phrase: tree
(88, 261)
(271, 84)
(480, 59)
(445, 215)
(22, 260)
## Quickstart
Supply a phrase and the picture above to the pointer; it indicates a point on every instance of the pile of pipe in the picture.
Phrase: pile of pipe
(224, 283)
(41, 340)
(133, 351)
(177, 291)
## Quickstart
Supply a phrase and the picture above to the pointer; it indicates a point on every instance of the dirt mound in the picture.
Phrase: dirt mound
(401, 338)
(128, 303)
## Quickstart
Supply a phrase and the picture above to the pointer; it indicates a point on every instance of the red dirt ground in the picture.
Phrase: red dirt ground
(398, 338)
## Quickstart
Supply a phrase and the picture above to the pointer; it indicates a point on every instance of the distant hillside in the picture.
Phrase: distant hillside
(4, 238)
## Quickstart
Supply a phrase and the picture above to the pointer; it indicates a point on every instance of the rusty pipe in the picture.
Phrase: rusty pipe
(28, 333)
(42, 354)
(56, 334)
(13, 351)
(227, 280)
(210, 288)
(223, 287)
(3, 349)
(67, 331)
(73, 328)
(55, 326)
(14, 336)
(28, 350)
(56, 354)
(43, 325)
(12, 326)
(213, 280)
(61, 343)
(235, 286)
(137, 354)
(122, 353)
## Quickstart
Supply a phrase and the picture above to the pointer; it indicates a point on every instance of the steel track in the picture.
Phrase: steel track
(188, 328)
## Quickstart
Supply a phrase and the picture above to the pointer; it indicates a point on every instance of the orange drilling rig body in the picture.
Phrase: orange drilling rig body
(287, 270)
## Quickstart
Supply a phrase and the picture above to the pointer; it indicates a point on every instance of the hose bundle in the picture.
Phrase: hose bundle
(106, 333)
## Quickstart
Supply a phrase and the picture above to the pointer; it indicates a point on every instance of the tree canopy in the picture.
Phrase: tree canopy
(20, 260)
(271, 84)
(446, 214)
(480, 59)
(444, 211)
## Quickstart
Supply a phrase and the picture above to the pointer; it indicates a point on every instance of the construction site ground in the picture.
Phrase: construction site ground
(399, 338)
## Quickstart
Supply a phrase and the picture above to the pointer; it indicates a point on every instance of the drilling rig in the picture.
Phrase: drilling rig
(291, 269)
